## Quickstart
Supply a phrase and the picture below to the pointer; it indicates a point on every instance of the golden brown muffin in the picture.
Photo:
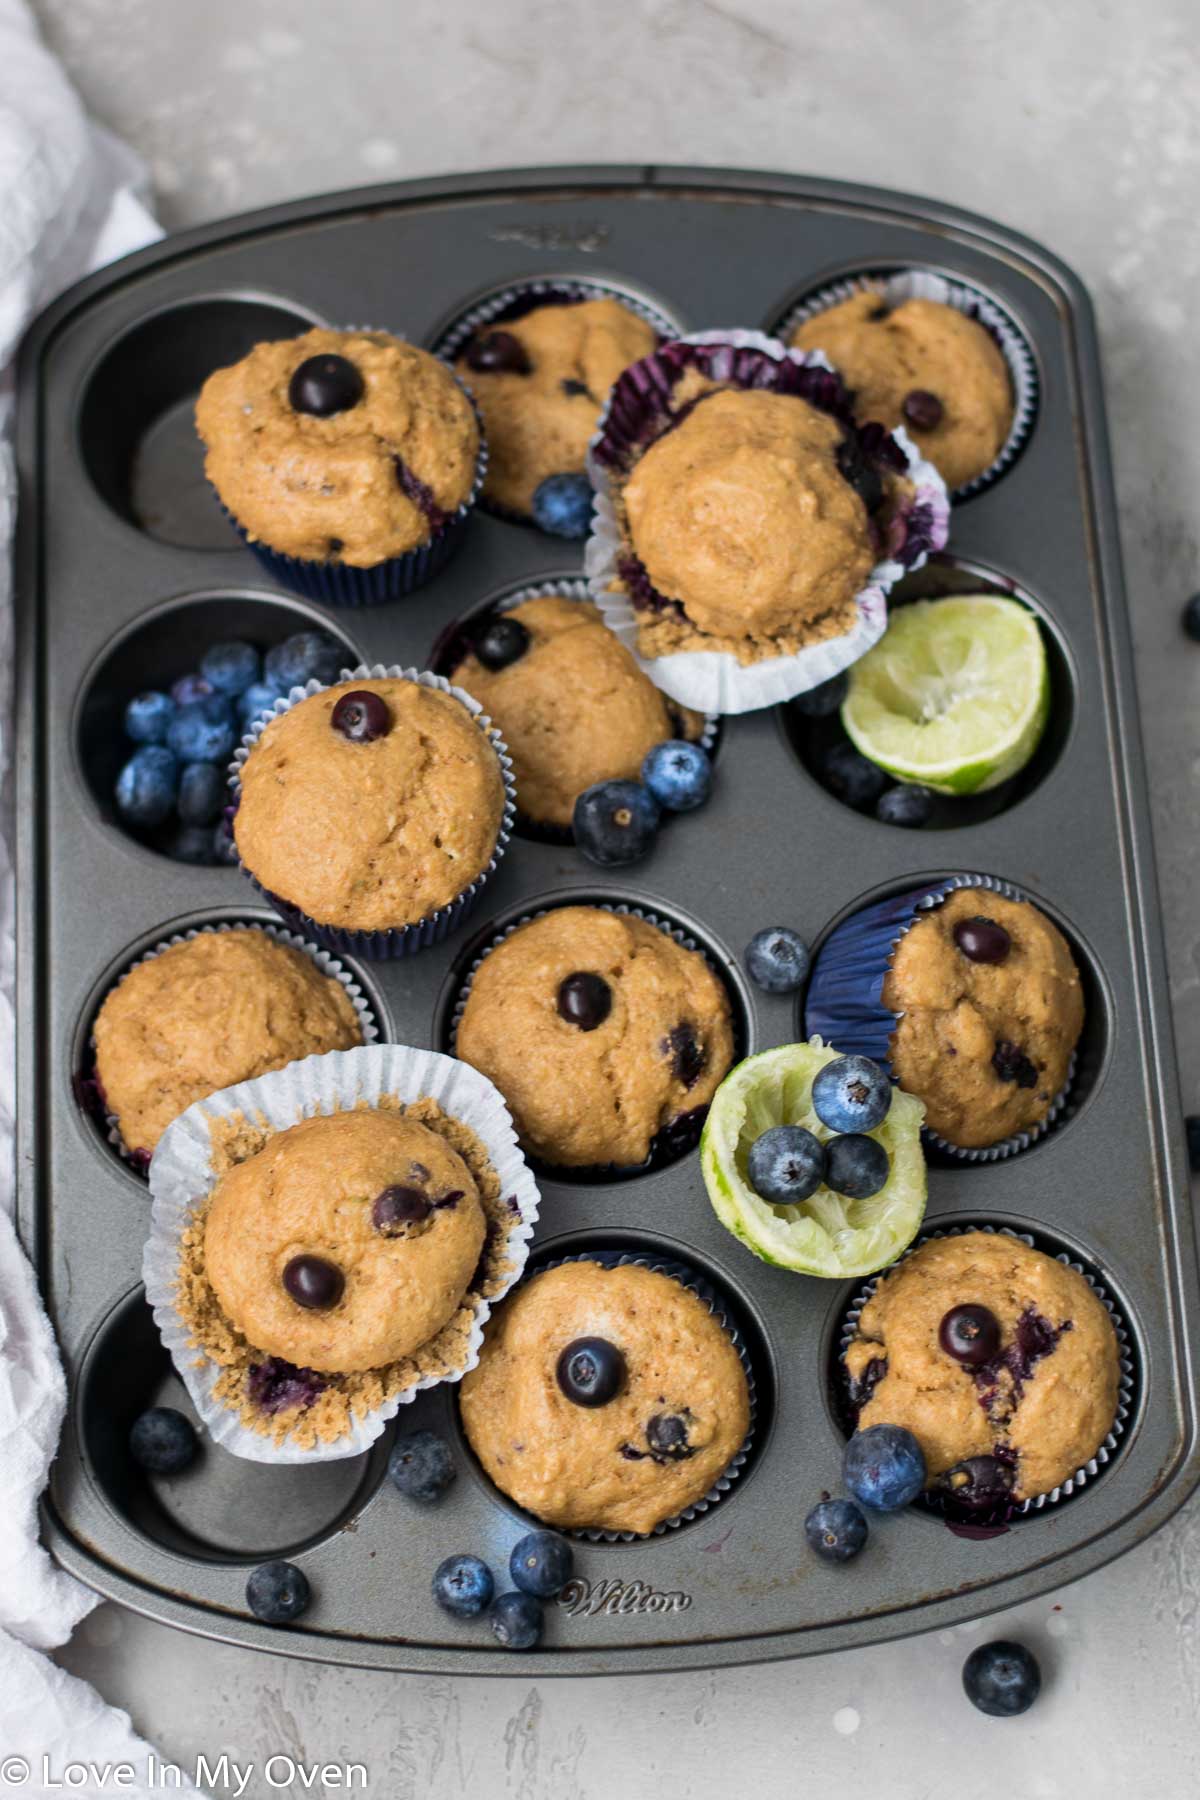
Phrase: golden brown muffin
(573, 709)
(221, 1008)
(654, 1039)
(929, 349)
(363, 484)
(679, 1418)
(539, 416)
(1044, 1401)
(314, 1191)
(370, 836)
(986, 1045)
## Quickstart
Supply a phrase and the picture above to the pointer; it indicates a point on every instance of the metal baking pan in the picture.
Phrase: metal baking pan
(126, 564)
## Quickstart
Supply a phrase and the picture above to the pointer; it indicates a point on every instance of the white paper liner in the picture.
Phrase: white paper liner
(711, 681)
(894, 287)
(181, 1178)
(1126, 1379)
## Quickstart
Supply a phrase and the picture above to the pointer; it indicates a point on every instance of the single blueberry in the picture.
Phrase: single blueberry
(850, 777)
(398, 1206)
(667, 1436)
(498, 353)
(820, 702)
(836, 1530)
(277, 1592)
(856, 1166)
(786, 1164)
(501, 642)
(308, 656)
(361, 716)
(856, 468)
(562, 506)
(541, 1564)
(258, 698)
(231, 667)
(922, 410)
(1002, 1678)
(884, 1467)
(584, 999)
(201, 793)
(678, 774)
(1011, 1064)
(463, 1585)
(982, 940)
(777, 960)
(162, 1441)
(590, 1371)
(851, 1093)
(192, 844)
(979, 1485)
(190, 688)
(1191, 618)
(970, 1334)
(147, 785)
(147, 717)
(615, 821)
(324, 385)
(204, 731)
(908, 804)
(421, 1466)
(313, 1283)
(516, 1621)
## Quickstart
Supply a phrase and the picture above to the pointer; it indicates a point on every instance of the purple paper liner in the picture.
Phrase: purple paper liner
(844, 1003)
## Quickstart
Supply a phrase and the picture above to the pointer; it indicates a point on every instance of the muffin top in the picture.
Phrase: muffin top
(962, 411)
(375, 478)
(549, 378)
(387, 1210)
(1043, 1400)
(599, 1030)
(573, 707)
(373, 834)
(741, 514)
(991, 1011)
(221, 1008)
(680, 1413)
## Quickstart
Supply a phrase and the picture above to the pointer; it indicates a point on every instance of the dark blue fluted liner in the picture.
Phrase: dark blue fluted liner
(844, 1004)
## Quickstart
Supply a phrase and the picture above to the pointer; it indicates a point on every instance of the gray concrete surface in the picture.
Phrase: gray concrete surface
(1074, 122)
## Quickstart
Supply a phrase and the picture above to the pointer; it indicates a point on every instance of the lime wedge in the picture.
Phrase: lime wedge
(955, 694)
(826, 1234)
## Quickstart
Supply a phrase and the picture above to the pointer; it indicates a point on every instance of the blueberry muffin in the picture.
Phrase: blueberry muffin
(1002, 1362)
(599, 1030)
(541, 381)
(223, 1007)
(991, 1010)
(370, 805)
(569, 700)
(923, 365)
(605, 1399)
(346, 446)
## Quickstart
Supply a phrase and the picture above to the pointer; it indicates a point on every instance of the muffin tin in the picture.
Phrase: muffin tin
(127, 570)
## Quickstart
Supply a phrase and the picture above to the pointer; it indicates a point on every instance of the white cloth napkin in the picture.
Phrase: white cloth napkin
(69, 202)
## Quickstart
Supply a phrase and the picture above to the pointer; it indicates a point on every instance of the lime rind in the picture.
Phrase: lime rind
(826, 1235)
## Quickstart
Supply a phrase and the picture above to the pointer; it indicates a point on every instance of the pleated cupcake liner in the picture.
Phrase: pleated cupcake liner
(844, 1002)
(639, 408)
(1126, 1380)
(687, 1277)
(673, 1141)
(182, 1178)
(456, 643)
(897, 285)
(401, 940)
(138, 1160)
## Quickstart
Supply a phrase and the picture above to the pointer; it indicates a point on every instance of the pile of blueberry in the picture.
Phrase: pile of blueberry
(616, 821)
(850, 1096)
(173, 786)
(852, 777)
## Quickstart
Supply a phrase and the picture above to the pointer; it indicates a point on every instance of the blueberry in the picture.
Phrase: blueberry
(230, 668)
(324, 385)
(516, 1621)
(667, 1436)
(850, 777)
(980, 1485)
(502, 642)
(590, 1371)
(909, 804)
(201, 793)
(982, 940)
(820, 702)
(836, 1530)
(970, 1334)
(856, 1166)
(1192, 1127)
(562, 505)
(678, 774)
(147, 785)
(258, 698)
(192, 844)
(851, 1093)
(498, 353)
(463, 1585)
(397, 1207)
(147, 717)
(313, 1283)
(615, 821)
(277, 1592)
(190, 688)
(163, 1441)
(1191, 618)
(786, 1164)
(421, 1466)
(361, 716)
(584, 999)
(856, 468)
(309, 656)
(1002, 1679)
(541, 1564)
(884, 1467)
(922, 410)
(204, 730)
(1011, 1064)
(777, 960)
